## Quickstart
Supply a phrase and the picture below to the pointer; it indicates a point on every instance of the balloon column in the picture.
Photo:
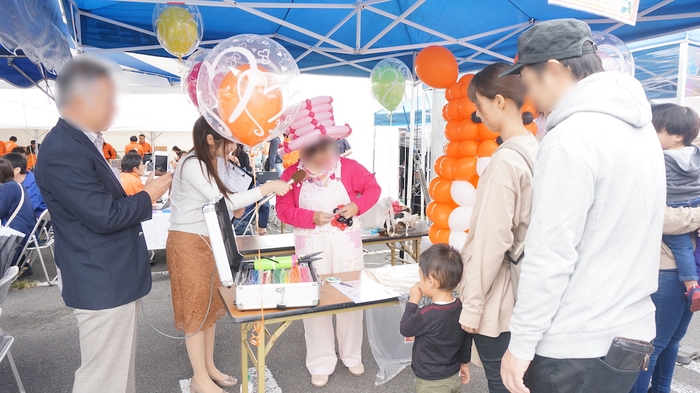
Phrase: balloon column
(467, 154)
(246, 88)
(189, 76)
(178, 28)
(388, 82)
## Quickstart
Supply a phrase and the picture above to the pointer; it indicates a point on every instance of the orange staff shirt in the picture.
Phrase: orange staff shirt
(146, 147)
(109, 152)
(133, 146)
(131, 182)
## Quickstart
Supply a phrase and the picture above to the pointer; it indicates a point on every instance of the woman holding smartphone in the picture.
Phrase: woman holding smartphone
(198, 180)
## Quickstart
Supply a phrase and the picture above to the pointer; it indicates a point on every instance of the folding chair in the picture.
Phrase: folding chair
(41, 238)
(6, 341)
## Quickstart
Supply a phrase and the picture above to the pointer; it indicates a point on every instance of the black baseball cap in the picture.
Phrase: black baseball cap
(557, 39)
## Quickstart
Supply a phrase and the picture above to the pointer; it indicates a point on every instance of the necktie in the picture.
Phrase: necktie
(99, 141)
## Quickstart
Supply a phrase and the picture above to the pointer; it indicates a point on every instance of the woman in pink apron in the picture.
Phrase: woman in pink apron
(331, 183)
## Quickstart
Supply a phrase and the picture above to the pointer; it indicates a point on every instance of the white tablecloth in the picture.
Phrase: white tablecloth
(155, 230)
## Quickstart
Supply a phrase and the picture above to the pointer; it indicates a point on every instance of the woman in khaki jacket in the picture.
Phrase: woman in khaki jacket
(499, 220)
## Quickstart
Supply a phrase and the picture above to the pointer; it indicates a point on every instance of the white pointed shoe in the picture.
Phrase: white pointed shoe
(319, 381)
(357, 370)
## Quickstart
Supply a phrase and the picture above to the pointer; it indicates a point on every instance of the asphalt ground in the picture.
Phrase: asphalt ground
(47, 353)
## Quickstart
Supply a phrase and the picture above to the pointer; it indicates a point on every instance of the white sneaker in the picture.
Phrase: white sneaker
(357, 370)
(319, 381)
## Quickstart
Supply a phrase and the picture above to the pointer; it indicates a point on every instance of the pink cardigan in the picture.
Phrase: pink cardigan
(361, 185)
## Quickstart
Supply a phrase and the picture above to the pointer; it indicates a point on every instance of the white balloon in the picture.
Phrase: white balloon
(481, 164)
(463, 193)
(460, 218)
(457, 240)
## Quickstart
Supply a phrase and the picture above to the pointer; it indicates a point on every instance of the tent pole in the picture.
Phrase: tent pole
(682, 72)
(411, 143)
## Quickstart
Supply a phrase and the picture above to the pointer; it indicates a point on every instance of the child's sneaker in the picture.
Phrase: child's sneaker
(693, 296)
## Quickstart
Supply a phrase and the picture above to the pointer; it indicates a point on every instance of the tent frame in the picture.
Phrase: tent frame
(328, 47)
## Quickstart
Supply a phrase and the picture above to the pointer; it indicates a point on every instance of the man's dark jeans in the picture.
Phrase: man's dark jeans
(547, 375)
(491, 351)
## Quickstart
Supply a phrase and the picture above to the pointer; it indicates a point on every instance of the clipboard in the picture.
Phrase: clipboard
(236, 178)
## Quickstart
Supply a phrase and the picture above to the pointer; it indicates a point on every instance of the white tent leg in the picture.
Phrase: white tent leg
(682, 72)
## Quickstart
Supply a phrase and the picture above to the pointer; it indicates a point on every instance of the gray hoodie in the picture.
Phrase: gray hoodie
(682, 174)
(592, 249)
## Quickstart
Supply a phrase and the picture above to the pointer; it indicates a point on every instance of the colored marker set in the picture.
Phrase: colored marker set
(292, 275)
(278, 282)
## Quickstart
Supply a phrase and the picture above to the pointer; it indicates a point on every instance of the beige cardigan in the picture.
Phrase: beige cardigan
(677, 221)
(499, 221)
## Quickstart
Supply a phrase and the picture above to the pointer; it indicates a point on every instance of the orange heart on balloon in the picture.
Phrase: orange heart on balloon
(259, 116)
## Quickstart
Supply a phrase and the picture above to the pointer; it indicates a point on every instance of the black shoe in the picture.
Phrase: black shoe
(26, 272)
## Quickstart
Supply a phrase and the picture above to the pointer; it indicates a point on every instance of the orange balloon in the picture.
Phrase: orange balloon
(443, 166)
(468, 130)
(466, 108)
(439, 235)
(466, 79)
(474, 181)
(441, 215)
(451, 111)
(439, 190)
(464, 168)
(452, 149)
(452, 130)
(485, 133)
(532, 127)
(436, 67)
(468, 148)
(253, 125)
(429, 209)
(529, 106)
(487, 148)
(454, 92)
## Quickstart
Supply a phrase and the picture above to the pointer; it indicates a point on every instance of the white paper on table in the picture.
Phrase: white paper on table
(398, 278)
(364, 291)
(236, 179)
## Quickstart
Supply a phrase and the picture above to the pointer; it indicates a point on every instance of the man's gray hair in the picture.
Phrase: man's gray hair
(76, 76)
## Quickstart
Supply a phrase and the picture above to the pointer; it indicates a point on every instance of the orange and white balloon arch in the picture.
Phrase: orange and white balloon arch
(466, 156)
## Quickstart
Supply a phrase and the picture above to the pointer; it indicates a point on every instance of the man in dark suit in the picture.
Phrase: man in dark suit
(100, 249)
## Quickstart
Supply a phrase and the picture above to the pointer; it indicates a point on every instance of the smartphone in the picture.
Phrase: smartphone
(160, 163)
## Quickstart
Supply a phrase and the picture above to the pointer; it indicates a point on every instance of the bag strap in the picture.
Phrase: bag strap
(517, 251)
(18, 208)
(520, 150)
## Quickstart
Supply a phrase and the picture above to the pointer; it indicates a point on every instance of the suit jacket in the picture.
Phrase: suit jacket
(99, 247)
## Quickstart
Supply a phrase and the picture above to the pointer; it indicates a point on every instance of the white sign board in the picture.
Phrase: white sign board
(624, 11)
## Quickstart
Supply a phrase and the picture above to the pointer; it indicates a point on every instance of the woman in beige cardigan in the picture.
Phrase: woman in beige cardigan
(499, 220)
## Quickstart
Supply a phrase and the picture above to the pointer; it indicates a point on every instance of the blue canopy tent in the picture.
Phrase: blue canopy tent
(347, 37)
(664, 61)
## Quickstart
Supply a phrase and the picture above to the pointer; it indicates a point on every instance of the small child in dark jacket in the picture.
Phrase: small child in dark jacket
(442, 350)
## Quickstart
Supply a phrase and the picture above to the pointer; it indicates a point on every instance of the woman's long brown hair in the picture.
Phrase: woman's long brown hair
(202, 152)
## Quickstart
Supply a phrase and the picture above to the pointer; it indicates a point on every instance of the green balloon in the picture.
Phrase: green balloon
(388, 86)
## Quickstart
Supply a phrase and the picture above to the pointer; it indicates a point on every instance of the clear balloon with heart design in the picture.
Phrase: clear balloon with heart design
(389, 81)
(613, 52)
(247, 89)
(178, 27)
(190, 72)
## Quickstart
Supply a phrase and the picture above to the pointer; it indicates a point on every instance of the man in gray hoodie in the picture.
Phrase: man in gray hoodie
(592, 249)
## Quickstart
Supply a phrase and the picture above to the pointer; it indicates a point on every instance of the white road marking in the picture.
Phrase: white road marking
(680, 387)
(692, 366)
(270, 383)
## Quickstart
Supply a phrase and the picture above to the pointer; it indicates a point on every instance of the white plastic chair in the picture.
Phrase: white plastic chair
(6, 341)
(41, 238)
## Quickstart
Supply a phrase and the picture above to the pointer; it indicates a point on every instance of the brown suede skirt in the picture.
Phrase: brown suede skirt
(191, 265)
